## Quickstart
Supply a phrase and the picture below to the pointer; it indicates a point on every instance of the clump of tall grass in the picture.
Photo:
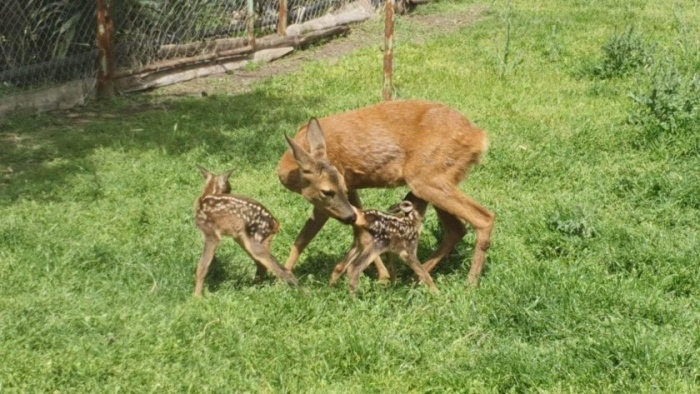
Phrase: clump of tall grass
(668, 102)
(623, 54)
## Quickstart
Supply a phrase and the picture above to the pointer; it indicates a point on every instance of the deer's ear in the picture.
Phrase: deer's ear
(204, 171)
(406, 206)
(227, 175)
(303, 159)
(316, 138)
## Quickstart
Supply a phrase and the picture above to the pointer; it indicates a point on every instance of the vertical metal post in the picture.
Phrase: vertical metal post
(251, 23)
(105, 48)
(282, 24)
(388, 90)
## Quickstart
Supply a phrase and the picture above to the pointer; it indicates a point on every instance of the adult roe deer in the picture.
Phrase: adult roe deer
(219, 213)
(427, 146)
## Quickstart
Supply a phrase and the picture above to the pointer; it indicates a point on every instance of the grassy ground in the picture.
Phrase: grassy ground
(592, 283)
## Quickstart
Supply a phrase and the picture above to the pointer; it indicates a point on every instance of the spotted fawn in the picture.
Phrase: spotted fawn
(377, 233)
(219, 213)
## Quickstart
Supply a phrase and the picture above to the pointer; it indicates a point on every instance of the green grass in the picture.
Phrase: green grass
(592, 282)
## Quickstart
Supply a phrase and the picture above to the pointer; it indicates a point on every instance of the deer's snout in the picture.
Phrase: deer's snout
(350, 219)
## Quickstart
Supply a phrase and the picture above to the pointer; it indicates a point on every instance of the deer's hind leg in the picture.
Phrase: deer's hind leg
(211, 242)
(423, 275)
(454, 231)
(450, 199)
(260, 252)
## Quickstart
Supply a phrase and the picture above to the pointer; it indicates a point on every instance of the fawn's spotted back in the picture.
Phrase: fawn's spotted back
(403, 230)
(221, 211)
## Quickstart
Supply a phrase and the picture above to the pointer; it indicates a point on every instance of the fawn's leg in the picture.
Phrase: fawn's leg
(260, 252)
(342, 267)
(412, 260)
(260, 272)
(311, 228)
(358, 265)
(383, 275)
(211, 242)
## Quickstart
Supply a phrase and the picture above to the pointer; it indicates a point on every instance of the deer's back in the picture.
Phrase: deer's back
(383, 144)
(229, 214)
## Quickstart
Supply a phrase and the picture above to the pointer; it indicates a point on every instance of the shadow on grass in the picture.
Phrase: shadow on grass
(38, 154)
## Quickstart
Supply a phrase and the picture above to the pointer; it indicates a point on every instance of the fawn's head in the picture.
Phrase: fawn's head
(215, 184)
(403, 208)
(321, 182)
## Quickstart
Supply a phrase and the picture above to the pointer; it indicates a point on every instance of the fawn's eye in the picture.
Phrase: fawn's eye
(328, 193)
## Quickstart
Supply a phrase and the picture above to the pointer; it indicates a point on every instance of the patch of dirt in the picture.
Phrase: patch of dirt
(361, 35)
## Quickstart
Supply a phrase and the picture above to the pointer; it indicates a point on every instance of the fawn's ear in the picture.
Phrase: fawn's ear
(204, 171)
(406, 206)
(227, 174)
(304, 160)
(317, 140)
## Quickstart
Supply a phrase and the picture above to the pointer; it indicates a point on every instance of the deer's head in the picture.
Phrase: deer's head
(215, 184)
(321, 182)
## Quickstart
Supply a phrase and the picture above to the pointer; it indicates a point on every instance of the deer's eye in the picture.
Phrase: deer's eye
(328, 193)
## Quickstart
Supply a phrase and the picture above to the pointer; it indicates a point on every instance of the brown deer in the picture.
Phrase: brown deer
(219, 213)
(379, 233)
(428, 146)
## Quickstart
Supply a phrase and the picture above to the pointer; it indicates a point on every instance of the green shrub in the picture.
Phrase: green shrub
(667, 110)
(622, 54)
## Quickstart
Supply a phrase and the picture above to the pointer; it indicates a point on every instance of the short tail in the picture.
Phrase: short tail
(479, 156)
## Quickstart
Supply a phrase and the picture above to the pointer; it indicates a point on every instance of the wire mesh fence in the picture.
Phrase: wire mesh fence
(148, 31)
(44, 43)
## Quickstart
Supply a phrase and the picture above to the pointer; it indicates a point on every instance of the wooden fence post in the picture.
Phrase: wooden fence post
(282, 24)
(105, 48)
(388, 90)
(251, 24)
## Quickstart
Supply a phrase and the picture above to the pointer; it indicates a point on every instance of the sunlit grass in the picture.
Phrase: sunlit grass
(591, 283)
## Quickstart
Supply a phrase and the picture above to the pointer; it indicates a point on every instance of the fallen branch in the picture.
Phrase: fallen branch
(162, 78)
(357, 11)
(267, 42)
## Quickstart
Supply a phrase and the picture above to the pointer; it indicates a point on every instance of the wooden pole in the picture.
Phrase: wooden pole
(251, 24)
(105, 48)
(282, 25)
(388, 89)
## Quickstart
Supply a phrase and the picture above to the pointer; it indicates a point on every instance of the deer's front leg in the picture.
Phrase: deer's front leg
(211, 242)
(308, 232)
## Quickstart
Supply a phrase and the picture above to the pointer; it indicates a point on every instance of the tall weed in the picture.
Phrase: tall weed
(668, 106)
(623, 54)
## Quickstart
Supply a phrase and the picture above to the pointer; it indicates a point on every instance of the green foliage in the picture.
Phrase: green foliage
(623, 54)
(670, 103)
(591, 284)
(573, 223)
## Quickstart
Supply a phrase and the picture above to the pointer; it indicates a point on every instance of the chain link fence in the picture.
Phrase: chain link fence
(46, 43)
(148, 31)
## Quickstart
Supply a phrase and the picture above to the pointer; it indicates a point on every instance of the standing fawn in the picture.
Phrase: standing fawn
(428, 146)
(219, 213)
(378, 233)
